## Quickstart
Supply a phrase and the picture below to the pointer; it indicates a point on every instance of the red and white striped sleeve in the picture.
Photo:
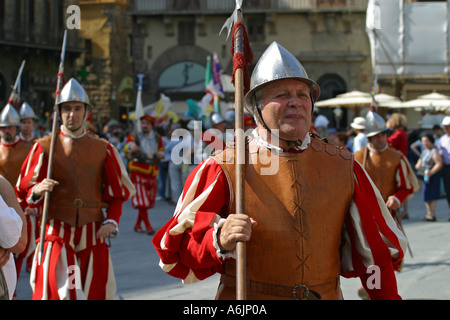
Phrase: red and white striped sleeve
(189, 250)
(371, 238)
(34, 170)
(118, 187)
(406, 180)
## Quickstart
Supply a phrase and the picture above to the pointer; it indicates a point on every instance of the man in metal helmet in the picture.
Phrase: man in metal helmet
(27, 121)
(215, 137)
(27, 136)
(388, 168)
(88, 177)
(309, 219)
(13, 150)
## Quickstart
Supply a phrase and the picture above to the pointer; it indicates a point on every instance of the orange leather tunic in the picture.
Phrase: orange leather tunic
(300, 210)
(381, 168)
(12, 158)
(78, 167)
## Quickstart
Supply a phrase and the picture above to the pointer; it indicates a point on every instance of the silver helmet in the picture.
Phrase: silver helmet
(26, 112)
(375, 124)
(73, 91)
(216, 118)
(9, 117)
(277, 63)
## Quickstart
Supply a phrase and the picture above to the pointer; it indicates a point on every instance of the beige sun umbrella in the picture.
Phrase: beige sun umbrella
(435, 101)
(353, 98)
(387, 100)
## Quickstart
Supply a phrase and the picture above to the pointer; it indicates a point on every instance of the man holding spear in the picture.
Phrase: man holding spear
(88, 176)
(310, 213)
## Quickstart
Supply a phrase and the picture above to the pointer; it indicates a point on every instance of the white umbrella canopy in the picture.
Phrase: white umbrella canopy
(353, 98)
(357, 98)
(434, 100)
(387, 101)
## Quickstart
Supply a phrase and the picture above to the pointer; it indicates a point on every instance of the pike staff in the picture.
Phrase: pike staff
(59, 86)
(15, 91)
(242, 57)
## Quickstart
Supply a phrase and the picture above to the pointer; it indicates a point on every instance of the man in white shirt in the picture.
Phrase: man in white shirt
(13, 237)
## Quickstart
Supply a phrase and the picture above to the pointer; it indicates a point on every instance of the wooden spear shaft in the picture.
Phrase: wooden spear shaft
(59, 85)
(241, 290)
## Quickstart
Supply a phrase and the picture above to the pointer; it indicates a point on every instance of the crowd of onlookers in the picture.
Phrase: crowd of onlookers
(420, 146)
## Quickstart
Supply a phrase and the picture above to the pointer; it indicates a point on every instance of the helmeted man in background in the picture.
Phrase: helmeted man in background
(388, 167)
(145, 151)
(311, 212)
(27, 122)
(13, 150)
(215, 137)
(89, 184)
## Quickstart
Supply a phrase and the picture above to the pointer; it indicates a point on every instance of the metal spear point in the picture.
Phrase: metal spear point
(15, 90)
(232, 19)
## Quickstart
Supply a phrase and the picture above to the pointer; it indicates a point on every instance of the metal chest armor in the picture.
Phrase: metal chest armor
(300, 209)
(78, 166)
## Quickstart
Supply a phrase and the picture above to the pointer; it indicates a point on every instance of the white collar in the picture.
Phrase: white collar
(305, 142)
(63, 129)
(371, 149)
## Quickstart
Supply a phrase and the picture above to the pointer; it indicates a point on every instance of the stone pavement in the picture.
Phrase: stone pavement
(425, 276)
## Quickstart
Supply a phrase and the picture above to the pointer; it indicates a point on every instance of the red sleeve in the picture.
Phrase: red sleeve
(376, 233)
(117, 186)
(185, 244)
(33, 170)
(404, 186)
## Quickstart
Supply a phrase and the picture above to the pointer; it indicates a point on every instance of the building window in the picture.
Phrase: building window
(183, 74)
(331, 3)
(2, 17)
(3, 86)
(255, 29)
(186, 33)
(149, 52)
(331, 85)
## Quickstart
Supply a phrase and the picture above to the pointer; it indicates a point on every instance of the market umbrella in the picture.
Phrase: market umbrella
(353, 98)
(387, 101)
(435, 101)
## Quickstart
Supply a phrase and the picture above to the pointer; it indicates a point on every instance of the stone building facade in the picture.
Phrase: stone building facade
(105, 67)
(32, 30)
(97, 54)
(327, 36)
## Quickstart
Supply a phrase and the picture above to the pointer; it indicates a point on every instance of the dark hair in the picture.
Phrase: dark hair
(427, 135)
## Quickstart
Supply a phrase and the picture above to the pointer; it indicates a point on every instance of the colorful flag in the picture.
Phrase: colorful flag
(208, 72)
(216, 77)
(139, 106)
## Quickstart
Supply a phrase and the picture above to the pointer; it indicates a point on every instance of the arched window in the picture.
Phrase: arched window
(331, 85)
(183, 74)
(3, 93)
